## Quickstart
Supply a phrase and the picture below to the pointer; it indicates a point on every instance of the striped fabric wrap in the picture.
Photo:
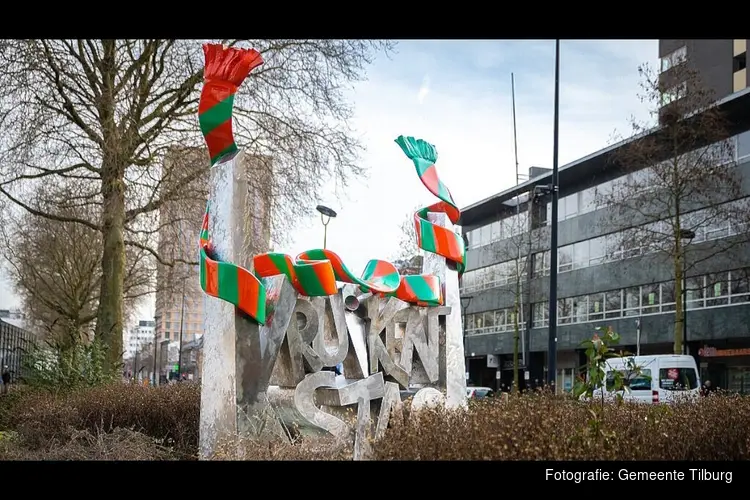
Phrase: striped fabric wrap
(431, 237)
(313, 273)
(224, 72)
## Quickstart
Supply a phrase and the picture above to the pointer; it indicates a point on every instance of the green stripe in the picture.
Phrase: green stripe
(422, 165)
(228, 280)
(309, 280)
(281, 264)
(229, 149)
(420, 287)
(443, 193)
(261, 316)
(213, 117)
(203, 268)
(428, 236)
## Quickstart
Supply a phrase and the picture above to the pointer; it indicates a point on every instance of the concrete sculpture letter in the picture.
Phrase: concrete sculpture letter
(283, 343)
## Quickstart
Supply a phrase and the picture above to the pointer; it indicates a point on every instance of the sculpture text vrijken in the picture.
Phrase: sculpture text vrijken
(292, 324)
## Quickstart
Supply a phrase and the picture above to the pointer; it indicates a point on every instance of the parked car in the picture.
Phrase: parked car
(479, 392)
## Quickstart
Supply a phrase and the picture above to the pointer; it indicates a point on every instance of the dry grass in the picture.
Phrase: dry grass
(123, 422)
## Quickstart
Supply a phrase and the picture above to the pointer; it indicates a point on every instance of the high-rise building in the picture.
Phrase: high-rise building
(722, 64)
(138, 336)
(179, 298)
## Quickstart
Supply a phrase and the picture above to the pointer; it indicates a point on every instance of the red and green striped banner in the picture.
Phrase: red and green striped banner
(431, 237)
(224, 72)
(313, 273)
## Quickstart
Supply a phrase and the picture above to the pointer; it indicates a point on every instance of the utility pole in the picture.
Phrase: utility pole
(552, 341)
(182, 317)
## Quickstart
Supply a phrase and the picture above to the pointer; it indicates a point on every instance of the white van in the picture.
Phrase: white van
(658, 379)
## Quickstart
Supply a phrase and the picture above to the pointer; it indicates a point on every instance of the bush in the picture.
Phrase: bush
(540, 426)
(124, 422)
(168, 415)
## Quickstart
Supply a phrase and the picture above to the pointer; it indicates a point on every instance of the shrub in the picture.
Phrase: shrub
(169, 415)
(123, 422)
(541, 426)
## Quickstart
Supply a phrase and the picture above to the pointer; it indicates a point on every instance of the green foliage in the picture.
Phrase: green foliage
(596, 379)
(54, 368)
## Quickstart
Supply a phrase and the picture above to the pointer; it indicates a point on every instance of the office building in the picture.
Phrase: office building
(602, 281)
(137, 337)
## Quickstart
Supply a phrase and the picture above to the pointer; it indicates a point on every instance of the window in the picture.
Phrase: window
(541, 263)
(667, 296)
(580, 309)
(739, 62)
(166, 335)
(635, 380)
(564, 311)
(743, 145)
(581, 254)
(632, 301)
(596, 306)
(717, 289)
(671, 60)
(650, 299)
(613, 304)
(678, 379)
(565, 257)
(694, 289)
(739, 286)
(496, 232)
(485, 235)
(597, 251)
(470, 324)
(473, 237)
(587, 200)
(467, 280)
(489, 320)
(541, 314)
(674, 93)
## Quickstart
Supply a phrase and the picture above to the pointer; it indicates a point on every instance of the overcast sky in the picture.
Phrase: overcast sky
(457, 96)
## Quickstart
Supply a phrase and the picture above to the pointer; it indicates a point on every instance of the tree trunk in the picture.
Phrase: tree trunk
(679, 313)
(516, 335)
(110, 313)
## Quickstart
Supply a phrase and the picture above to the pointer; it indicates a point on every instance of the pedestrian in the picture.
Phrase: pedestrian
(6, 379)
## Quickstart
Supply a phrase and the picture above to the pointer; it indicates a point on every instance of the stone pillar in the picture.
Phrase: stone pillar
(455, 376)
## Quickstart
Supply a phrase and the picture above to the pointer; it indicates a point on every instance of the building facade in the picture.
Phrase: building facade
(601, 281)
(138, 336)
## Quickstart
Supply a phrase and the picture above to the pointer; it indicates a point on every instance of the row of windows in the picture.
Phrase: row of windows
(638, 241)
(581, 202)
(626, 244)
(674, 58)
(713, 290)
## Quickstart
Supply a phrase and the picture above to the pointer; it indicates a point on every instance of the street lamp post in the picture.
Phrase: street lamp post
(465, 301)
(326, 214)
(182, 319)
(687, 236)
(552, 329)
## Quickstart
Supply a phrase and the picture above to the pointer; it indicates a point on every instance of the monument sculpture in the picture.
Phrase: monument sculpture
(277, 327)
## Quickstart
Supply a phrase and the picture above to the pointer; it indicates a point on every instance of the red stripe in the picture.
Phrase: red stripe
(247, 292)
(430, 180)
(405, 292)
(220, 138)
(212, 277)
(213, 93)
(383, 268)
(325, 275)
(452, 248)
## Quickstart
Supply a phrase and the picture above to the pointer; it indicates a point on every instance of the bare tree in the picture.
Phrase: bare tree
(103, 113)
(408, 258)
(678, 178)
(514, 257)
(56, 268)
